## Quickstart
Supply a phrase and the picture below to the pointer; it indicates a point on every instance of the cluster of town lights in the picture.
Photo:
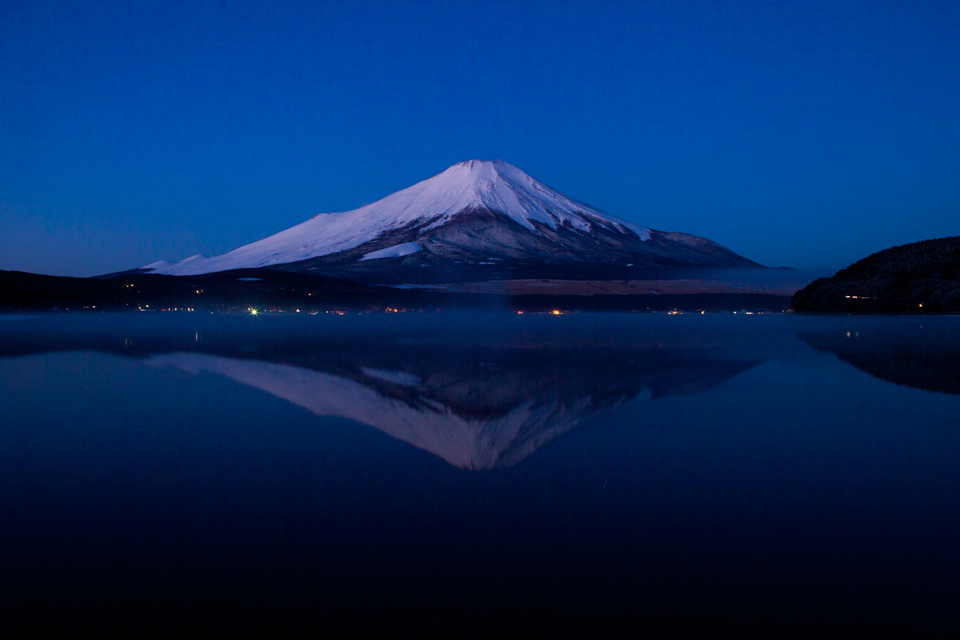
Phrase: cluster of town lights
(253, 311)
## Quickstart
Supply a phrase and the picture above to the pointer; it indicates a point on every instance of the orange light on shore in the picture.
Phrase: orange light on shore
(555, 312)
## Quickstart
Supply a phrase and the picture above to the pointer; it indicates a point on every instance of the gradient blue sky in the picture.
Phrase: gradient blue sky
(805, 134)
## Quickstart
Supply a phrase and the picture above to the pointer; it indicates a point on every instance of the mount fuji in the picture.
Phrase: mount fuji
(478, 220)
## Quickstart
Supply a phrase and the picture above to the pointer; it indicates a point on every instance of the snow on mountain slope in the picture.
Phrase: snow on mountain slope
(491, 185)
(396, 251)
(159, 265)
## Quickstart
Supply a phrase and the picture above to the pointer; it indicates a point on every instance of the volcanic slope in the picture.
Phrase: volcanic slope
(477, 220)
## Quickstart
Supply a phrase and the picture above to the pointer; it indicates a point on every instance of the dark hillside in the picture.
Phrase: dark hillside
(921, 277)
(224, 291)
(273, 290)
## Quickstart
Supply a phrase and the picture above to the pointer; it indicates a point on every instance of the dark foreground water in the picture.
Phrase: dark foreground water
(449, 473)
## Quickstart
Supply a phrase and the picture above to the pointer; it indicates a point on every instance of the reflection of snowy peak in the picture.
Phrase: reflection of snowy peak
(479, 420)
(472, 212)
(462, 441)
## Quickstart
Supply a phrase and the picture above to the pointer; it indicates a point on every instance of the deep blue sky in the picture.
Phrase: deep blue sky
(807, 135)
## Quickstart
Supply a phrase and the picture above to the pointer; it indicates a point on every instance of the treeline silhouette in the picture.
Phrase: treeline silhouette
(921, 277)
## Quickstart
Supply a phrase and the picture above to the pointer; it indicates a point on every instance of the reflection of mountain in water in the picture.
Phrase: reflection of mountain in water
(491, 410)
(479, 391)
(924, 360)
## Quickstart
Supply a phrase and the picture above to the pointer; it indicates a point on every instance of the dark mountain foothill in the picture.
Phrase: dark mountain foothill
(282, 291)
(921, 277)
(224, 292)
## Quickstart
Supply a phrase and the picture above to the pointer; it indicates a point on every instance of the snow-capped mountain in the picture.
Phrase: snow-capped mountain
(483, 213)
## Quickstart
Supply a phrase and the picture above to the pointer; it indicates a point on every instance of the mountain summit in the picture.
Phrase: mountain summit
(473, 216)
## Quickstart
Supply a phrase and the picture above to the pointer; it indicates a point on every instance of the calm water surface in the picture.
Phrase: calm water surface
(468, 472)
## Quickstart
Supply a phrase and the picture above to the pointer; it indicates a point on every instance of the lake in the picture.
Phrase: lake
(451, 473)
